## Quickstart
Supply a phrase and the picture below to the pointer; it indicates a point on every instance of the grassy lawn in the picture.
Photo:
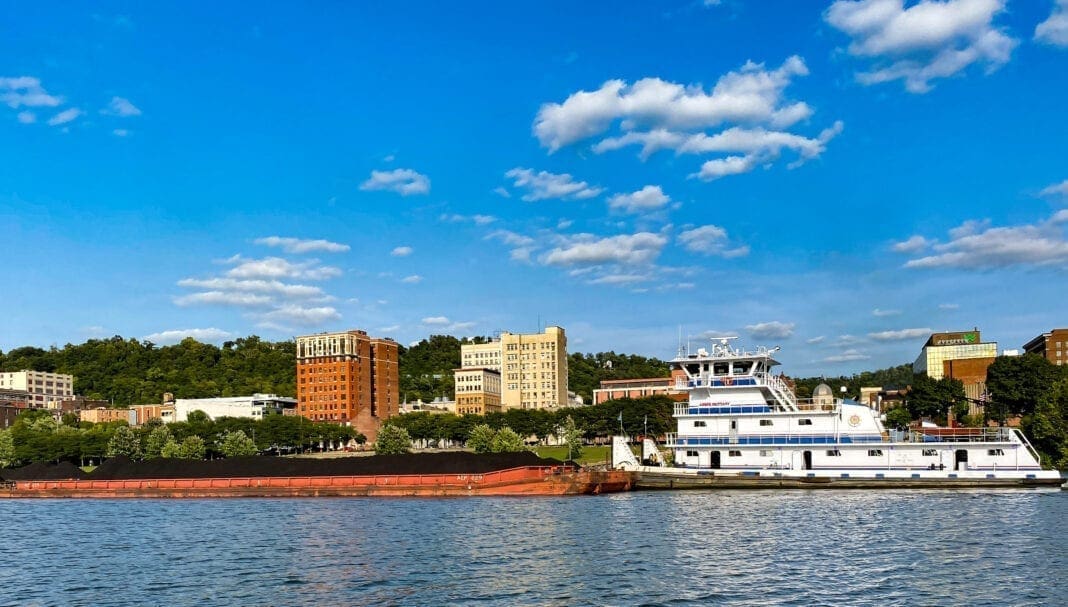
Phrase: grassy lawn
(590, 455)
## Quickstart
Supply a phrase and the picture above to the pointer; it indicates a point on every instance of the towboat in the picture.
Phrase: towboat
(743, 426)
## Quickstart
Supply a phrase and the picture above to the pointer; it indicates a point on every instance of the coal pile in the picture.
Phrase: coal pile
(458, 462)
(43, 471)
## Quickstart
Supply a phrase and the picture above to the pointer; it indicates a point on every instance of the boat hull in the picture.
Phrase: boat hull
(666, 478)
(515, 482)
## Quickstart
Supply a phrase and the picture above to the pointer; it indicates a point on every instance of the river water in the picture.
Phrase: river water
(819, 547)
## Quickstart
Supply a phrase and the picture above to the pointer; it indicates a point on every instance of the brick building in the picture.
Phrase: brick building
(1052, 345)
(348, 378)
(612, 389)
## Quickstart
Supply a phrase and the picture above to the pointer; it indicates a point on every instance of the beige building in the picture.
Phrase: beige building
(103, 415)
(478, 391)
(533, 367)
(42, 387)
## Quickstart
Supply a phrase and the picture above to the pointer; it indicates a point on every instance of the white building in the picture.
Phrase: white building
(42, 387)
(256, 407)
(533, 367)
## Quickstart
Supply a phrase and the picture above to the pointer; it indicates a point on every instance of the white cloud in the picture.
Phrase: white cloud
(522, 246)
(225, 298)
(121, 106)
(815, 340)
(847, 356)
(174, 336)
(389, 329)
(1056, 189)
(649, 198)
(401, 251)
(901, 334)
(710, 240)
(586, 249)
(412, 280)
(882, 313)
(64, 117)
(771, 330)
(265, 287)
(442, 323)
(436, 321)
(480, 220)
(300, 315)
(26, 91)
(300, 245)
(405, 182)
(975, 246)
(26, 117)
(912, 245)
(948, 306)
(120, 132)
(500, 191)
(277, 267)
(748, 105)
(924, 42)
(1054, 30)
(619, 279)
(544, 185)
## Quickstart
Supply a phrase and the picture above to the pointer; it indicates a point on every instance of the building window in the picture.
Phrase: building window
(834, 453)
(766, 422)
(734, 453)
(875, 452)
(804, 422)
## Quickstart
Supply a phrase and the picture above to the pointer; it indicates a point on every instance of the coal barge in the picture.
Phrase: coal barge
(428, 475)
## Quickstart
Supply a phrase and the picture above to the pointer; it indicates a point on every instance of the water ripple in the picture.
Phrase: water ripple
(656, 549)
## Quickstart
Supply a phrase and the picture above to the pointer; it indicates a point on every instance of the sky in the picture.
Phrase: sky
(838, 178)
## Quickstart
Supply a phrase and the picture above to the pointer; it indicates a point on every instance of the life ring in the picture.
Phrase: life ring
(728, 381)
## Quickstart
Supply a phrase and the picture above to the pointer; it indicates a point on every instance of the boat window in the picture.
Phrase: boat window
(700, 424)
(720, 368)
(691, 454)
(804, 422)
(833, 453)
(765, 453)
(875, 452)
(930, 452)
(734, 453)
(766, 422)
(693, 369)
(995, 452)
(742, 368)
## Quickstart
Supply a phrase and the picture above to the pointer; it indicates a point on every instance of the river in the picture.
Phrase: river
(823, 547)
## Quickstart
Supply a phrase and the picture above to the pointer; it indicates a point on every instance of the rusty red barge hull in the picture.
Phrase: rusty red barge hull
(527, 480)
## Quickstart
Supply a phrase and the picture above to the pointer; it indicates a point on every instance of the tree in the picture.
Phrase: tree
(237, 444)
(154, 441)
(1017, 383)
(933, 398)
(171, 449)
(1048, 427)
(392, 440)
(898, 417)
(480, 440)
(572, 437)
(507, 440)
(125, 442)
(7, 449)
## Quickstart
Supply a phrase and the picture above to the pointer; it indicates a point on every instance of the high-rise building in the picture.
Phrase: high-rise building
(40, 387)
(1052, 345)
(348, 378)
(961, 355)
(533, 367)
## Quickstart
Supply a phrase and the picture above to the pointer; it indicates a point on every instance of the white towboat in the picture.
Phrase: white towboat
(743, 427)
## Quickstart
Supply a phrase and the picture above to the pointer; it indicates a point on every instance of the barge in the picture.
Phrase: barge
(469, 477)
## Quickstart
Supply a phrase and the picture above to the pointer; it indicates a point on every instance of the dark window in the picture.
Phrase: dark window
(804, 422)
(734, 453)
(700, 424)
(834, 453)
(766, 422)
(875, 452)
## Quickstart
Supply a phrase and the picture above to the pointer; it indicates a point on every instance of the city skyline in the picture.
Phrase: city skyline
(841, 179)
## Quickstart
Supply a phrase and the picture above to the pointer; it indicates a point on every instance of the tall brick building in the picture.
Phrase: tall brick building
(348, 378)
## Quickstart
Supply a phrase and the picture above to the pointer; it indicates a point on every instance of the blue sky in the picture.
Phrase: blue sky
(839, 178)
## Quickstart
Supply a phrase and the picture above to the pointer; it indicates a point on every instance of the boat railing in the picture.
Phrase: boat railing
(953, 435)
